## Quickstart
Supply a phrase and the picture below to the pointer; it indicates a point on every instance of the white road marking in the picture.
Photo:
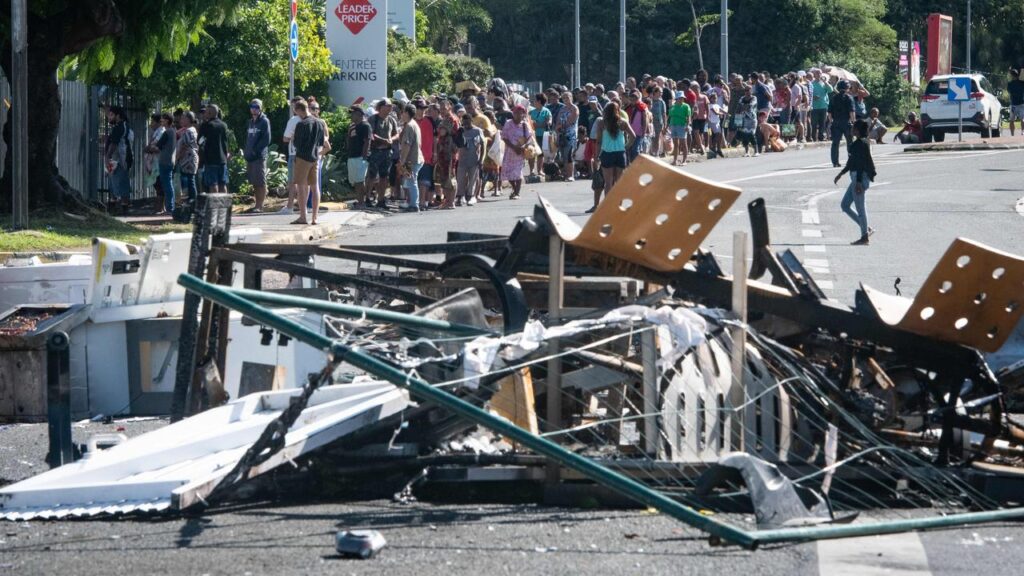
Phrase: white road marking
(825, 284)
(811, 233)
(817, 262)
(810, 217)
(1020, 207)
(893, 555)
(818, 270)
(814, 248)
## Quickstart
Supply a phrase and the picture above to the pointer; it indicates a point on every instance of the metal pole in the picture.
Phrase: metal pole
(19, 114)
(960, 121)
(622, 41)
(576, 71)
(58, 400)
(968, 36)
(291, 78)
(553, 392)
(725, 40)
(738, 391)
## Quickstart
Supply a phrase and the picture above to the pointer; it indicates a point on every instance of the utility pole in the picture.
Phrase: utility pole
(968, 36)
(576, 70)
(292, 50)
(622, 41)
(724, 21)
(19, 114)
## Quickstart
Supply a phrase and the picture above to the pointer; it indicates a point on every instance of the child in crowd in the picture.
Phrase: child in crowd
(579, 154)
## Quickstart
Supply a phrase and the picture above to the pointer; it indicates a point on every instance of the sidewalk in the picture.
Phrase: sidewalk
(277, 228)
(1001, 143)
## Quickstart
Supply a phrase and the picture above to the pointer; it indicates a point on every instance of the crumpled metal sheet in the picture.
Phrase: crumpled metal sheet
(177, 466)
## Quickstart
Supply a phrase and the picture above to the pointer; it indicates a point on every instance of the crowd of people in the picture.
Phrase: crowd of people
(443, 151)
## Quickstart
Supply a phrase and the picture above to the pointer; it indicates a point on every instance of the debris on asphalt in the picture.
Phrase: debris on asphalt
(361, 544)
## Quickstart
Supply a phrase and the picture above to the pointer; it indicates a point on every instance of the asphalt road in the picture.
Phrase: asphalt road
(918, 205)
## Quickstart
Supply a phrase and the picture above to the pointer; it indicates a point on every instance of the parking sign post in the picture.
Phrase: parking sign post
(959, 91)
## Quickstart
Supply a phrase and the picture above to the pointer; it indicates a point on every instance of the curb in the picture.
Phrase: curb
(737, 152)
(961, 146)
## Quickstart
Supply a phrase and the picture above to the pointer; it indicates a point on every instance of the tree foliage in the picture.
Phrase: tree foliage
(243, 58)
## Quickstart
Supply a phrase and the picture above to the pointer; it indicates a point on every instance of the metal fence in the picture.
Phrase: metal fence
(82, 134)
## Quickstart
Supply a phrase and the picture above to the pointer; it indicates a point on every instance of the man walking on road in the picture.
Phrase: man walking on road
(842, 110)
(257, 145)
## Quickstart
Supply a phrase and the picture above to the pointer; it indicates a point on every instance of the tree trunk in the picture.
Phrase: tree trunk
(697, 31)
(50, 39)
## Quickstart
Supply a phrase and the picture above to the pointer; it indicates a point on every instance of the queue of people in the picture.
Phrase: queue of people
(443, 151)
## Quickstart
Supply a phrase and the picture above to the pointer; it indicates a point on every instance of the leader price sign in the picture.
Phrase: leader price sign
(358, 41)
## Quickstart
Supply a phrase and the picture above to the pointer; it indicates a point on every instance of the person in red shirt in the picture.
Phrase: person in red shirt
(427, 135)
(911, 132)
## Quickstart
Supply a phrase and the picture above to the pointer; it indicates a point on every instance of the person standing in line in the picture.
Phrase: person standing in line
(471, 157)
(700, 119)
(517, 135)
(614, 135)
(188, 155)
(861, 167)
(257, 147)
(748, 122)
(445, 149)
(428, 134)
(289, 135)
(842, 111)
(315, 187)
(679, 126)
(715, 114)
(541, 118)
(165, 145)
(636, 110)
(410, 157)
(821, 93)
(214, 136)
(565, 127)
(1016, 89)
(118, 156)
(659, 116)
(358, 151)
(150, 161)
(308, 140)
(384, 132)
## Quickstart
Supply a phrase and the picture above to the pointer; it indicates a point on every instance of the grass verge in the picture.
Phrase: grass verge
(51, 231)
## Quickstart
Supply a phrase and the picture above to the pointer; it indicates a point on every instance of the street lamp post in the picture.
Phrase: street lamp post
(622, 41)
(968, 36)
(724, 21)
(576, 69)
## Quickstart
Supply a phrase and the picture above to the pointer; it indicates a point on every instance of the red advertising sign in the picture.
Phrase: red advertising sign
(940, 45)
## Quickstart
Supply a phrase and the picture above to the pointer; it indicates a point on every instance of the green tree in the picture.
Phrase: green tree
(244, 58)
(449, 23)
(117, 35)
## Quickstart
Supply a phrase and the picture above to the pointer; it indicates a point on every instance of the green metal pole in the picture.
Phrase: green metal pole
(285, 300)
(424, 391)
(885, 527)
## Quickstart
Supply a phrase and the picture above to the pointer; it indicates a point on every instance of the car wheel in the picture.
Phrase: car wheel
(939, 136)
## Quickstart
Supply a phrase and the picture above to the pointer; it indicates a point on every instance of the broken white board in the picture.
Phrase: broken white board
(177, 466)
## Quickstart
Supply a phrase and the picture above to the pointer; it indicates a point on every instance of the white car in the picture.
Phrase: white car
(939, 115)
